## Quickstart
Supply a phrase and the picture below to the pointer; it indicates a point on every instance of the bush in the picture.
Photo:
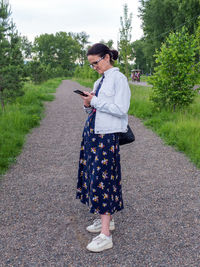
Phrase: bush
(85, 72)
(11, 59)
(37, 72)
(175, 75)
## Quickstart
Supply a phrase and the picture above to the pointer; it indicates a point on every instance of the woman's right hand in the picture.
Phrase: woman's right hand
(87, 99)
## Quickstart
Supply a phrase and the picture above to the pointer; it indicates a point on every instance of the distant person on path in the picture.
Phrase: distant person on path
(99, 175)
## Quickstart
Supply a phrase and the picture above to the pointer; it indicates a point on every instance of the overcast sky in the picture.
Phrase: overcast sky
(100, 19)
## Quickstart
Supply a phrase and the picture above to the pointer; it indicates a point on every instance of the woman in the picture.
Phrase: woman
(99, 176)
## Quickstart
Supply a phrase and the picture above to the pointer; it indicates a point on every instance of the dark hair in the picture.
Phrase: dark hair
(102, 50)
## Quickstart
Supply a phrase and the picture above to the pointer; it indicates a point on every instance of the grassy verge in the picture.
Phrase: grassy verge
(180, 129)
(144, 78)
(84, 82)
(21, 116)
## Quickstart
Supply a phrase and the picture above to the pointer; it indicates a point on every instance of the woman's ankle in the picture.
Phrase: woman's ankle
(105, 224)
(106, 233)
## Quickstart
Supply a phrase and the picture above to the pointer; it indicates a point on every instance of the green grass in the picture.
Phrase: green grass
(143, 78)
(84, 82)
(180, 129)
(21, 116)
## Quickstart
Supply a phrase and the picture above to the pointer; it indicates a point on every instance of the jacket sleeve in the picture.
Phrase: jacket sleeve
(121, 103)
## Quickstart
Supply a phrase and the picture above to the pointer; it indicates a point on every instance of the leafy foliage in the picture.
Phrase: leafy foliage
(140, 60)
(37, 72)
(82, 38)
(124, 45)
(109, 43)
(85, 72)
(162, 17)
(198, 37)
(11, 59)
(174, 77)
(59, 50)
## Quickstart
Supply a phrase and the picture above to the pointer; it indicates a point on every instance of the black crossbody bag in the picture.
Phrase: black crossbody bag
(126, 138)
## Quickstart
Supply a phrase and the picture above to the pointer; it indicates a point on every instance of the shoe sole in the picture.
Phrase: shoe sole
(108, 246)
(112, 228)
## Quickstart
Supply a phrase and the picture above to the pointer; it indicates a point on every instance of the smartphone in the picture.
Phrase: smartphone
(80, 92)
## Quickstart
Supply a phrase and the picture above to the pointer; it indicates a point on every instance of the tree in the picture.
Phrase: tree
(37, 71)
(85, 72)
(140, 60)
(198, 37)
(82, 38)
(198, 48)
(162, 17)
(26, 48)
(109, 43)
(11, 59)
(124, 45)
(59, 51)
(174, 77)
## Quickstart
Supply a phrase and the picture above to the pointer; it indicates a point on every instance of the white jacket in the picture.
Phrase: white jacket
(112, 103)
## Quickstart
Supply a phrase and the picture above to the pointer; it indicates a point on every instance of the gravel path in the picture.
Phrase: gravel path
(42, 224)
(149, 85)
(141, 83)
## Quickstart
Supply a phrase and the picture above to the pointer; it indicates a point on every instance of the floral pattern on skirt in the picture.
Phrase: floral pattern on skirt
(99, 175)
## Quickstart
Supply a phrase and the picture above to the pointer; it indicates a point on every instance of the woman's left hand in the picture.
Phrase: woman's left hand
(87, 99)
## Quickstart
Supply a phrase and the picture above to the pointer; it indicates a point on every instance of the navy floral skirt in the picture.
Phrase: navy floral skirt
(99, 174)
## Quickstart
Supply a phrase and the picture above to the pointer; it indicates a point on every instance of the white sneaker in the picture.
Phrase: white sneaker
(100, 243)
(96, 226)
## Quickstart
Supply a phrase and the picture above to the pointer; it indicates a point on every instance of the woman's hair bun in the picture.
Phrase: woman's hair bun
(101, 50)
(114, 54)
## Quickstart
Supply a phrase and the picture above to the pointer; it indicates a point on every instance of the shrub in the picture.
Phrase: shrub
(85, 72)
(37, 72)
(175, 75)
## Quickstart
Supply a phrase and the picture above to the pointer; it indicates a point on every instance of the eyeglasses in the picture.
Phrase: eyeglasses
(94, 64)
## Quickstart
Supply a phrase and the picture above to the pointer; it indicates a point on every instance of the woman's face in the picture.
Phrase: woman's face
(100, 64)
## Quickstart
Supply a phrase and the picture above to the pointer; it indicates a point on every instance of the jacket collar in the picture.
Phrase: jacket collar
(111, 70)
